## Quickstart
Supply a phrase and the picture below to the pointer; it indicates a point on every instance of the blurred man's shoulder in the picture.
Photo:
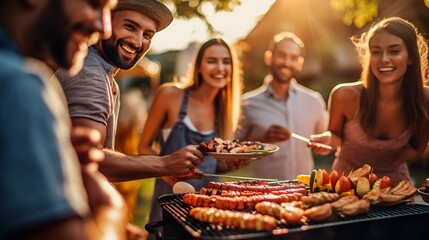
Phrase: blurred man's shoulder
(306, 91)
(255, 93)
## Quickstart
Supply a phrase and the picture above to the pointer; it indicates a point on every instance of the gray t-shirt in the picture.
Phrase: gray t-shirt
(93, 93)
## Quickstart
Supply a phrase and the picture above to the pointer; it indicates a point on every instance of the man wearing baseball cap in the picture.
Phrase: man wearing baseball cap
(93, 94)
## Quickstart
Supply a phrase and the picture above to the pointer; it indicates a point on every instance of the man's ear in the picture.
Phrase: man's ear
(300, 63)
(268, 57)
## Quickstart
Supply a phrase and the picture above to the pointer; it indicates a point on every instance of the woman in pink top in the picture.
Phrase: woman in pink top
(383, 119)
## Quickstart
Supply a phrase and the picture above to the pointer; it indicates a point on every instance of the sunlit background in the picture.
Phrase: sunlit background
(233, 25)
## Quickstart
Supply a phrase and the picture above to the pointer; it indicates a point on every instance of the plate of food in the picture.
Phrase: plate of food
(237, 150)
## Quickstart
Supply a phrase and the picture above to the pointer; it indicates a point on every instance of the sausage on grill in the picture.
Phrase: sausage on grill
(233, 193)
(242, 220)
(319, 198)
(256, 187)
(291, 214)
(236, 203)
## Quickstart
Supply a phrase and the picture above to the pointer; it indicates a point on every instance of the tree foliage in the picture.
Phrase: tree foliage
(360, 12)
(355, 12)
(194, 8)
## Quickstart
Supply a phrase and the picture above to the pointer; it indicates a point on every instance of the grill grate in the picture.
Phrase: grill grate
(173, 204)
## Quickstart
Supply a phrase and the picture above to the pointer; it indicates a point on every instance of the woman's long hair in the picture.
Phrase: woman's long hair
(414, 103)
(228, 100)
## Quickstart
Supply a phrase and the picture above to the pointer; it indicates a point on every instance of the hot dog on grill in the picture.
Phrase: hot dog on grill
(242, 220)
(233, 193)
(257, 187)
(319, 198)
(235, 203)
(291, 214)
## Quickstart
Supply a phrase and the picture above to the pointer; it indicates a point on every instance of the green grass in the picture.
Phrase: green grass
(144, 201)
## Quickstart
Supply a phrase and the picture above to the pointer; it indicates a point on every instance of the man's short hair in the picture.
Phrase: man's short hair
(286, 36)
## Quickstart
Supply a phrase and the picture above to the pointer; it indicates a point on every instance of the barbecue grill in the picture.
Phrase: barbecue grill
(403, 221)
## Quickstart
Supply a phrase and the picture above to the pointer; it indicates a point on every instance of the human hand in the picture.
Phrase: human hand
(238, 164)
(171, 180)
(87, 144)
(195, 174)
(227, 166)
(135, 233)
(276, 133)
(183, 161)
(320, 143)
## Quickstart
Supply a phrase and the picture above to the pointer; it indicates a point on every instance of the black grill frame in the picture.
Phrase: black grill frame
(378, 223)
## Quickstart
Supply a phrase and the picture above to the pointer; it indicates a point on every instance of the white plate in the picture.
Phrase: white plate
(238, 157)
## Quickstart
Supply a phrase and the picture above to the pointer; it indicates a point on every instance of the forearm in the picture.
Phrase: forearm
(107, 224)
(109, 214)
(119, 167)
(335, 141)
(74, 228)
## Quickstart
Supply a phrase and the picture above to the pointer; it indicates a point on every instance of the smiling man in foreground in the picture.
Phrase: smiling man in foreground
(93, 94)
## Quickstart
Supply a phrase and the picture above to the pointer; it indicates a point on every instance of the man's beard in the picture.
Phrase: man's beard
(279, 77)
(48, 36)
(111, 52)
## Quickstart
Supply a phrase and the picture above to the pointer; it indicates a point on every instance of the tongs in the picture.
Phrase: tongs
(304, 139)
(269, 180)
